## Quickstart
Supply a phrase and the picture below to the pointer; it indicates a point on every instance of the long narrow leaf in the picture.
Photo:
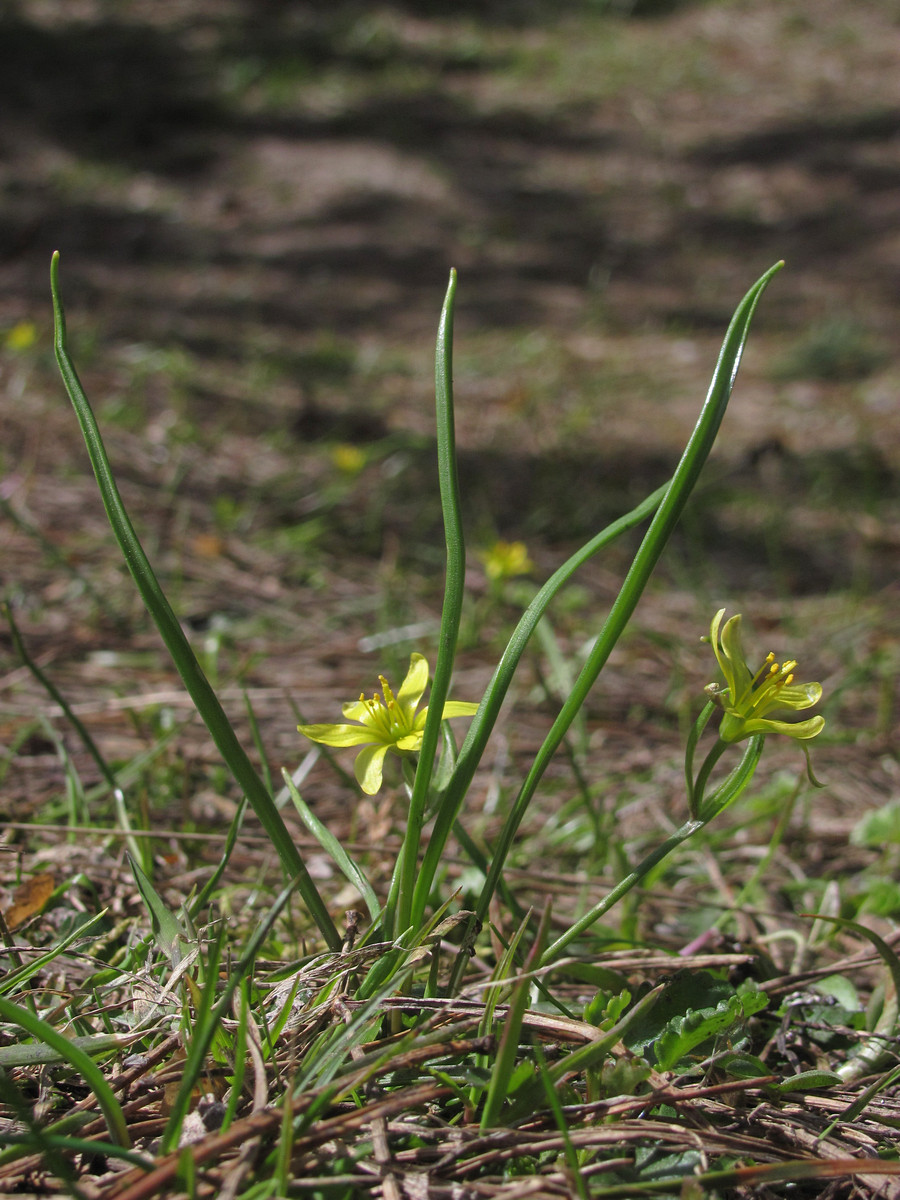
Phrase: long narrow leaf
(13, 980)
(76, 1057)
(33, 1054)
(167, 623)
(483, 722)
(508, 1050)
(208, 889)
(331, 845)
(168, 931)
(451, 612)
(686, 474)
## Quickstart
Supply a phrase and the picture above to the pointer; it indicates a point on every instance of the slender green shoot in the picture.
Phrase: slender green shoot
(508, 1050)
(207, 1022)
(198, 686)
(79, 1060)
(330, 844)
(661, 527)
(451, 614)
(724, 795)
(559, 1118)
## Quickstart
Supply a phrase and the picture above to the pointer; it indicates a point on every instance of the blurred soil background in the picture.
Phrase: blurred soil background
(257, 206)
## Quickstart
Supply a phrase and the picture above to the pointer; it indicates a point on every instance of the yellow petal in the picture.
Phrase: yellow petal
(733, 663)
(337, 735)
(368, 765)
(801, 730)
(413, 686)
(458, 708)
(410, 741)
(800, 695)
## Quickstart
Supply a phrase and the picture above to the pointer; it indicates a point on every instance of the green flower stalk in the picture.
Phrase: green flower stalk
(747, 698)
(386, 723)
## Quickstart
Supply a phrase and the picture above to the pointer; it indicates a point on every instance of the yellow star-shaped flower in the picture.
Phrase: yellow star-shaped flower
(386, 722)
(747, 697)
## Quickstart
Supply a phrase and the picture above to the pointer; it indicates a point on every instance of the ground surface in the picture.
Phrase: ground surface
(256, 214)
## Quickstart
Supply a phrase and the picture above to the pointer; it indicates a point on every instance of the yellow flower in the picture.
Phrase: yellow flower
(385, 722)
(348, 459)
(746, 698)
(21, 336)
(505, 559)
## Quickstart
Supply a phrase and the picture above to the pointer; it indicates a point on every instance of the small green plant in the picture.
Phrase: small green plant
(385, 1015)
(394, 724)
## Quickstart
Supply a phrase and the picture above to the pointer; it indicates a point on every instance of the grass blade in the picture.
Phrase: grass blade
(208, 1023)
(332, 846)
(167, 930)
(507, 1052)
(11, 981)
(78, 1059)
(212, 883)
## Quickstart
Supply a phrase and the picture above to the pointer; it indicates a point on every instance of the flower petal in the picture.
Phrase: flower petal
(801, 730)
(736, 672)
(800, 695)
(715, 639)
(355, 710)
(337, 735)
(413, 686)
(458, 708)
(368, 766)
(410, 741)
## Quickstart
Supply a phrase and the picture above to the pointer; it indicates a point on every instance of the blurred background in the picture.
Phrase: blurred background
(257, 206)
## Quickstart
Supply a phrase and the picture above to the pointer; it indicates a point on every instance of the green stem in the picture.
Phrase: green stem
(646, 865)
(689, 750)
(726, 794)
(167, 623)
(484, 720)
(703, 775)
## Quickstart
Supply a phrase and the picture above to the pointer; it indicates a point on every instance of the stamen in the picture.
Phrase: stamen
(770, 658)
